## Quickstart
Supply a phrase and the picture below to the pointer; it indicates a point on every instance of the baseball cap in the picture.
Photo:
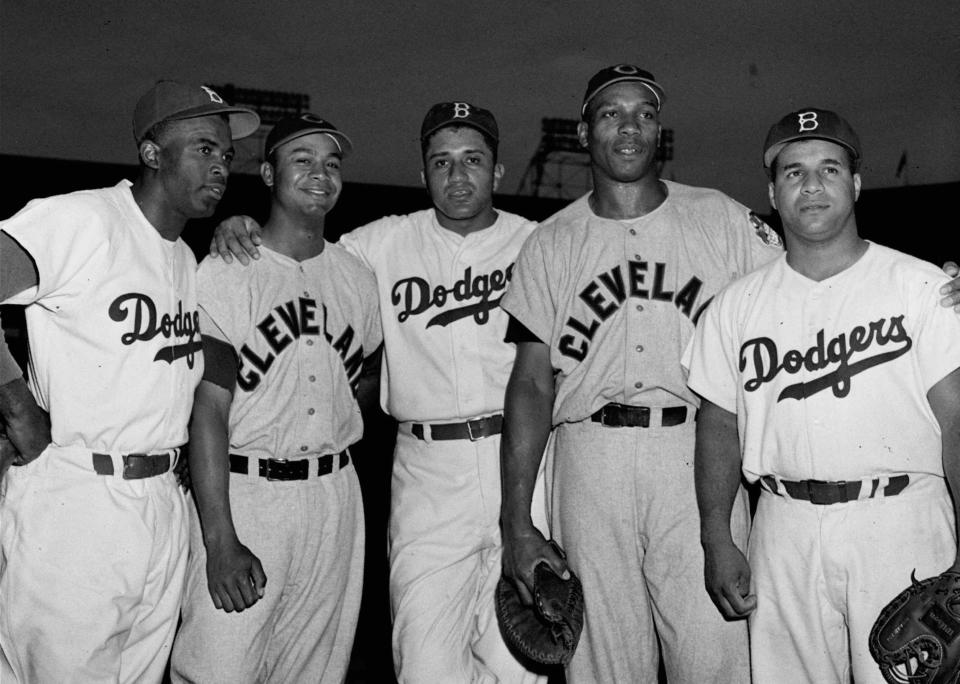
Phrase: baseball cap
(812, 123)
(459, 114)
(293, 127)
(617, 74)
(170, 100)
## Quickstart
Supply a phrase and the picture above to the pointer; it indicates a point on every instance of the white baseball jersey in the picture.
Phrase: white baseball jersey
(301, 330)
(115, 351)
(444, 355)
(617, 300)
(829, 379)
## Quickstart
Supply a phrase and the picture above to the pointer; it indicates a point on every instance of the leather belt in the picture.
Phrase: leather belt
(471, 429)
(621, 415)
(825, 493)
(135, 466)
(290, 469)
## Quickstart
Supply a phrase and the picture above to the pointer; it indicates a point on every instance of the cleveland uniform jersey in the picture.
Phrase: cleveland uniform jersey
(829, 379)
(444, 354)
(115, 351)
(617, 300)
(301, 330)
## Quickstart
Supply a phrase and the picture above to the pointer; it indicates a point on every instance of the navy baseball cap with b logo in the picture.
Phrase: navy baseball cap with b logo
(173, 101)
(293, 127)
(618, 74)
(445, 114)
(809, 123)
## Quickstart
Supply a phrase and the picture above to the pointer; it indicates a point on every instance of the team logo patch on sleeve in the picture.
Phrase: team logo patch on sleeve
(767, 234)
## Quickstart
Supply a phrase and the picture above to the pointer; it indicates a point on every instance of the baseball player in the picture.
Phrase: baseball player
(441, 274)
(604, 297)
(831, 377)
(277, 496)
(93, 542)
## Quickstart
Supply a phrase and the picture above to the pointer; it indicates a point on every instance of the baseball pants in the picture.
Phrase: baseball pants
(309, 537)
(822, 574)
(624, 508)
(445, 561)
(91, 571)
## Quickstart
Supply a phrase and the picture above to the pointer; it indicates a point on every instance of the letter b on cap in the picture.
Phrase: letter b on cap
(808, 121)
(461, 110)
(213, 95)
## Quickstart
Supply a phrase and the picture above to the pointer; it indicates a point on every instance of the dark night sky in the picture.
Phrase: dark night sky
(70, 73)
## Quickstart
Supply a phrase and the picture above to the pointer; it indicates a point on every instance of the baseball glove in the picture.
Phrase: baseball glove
(547, 632)
(916, 639)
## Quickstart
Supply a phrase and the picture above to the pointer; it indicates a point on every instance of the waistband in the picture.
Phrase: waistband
(134, 466)
(621, 415)
(471, 429)
(290, 469)
(824, 493)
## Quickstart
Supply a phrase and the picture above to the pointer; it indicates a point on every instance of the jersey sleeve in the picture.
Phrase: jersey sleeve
(66, 236)
(764, 244)
(372, 326)
(362, 242)
(938, 332)
(529, 298)
(223, 314)
(711, 357)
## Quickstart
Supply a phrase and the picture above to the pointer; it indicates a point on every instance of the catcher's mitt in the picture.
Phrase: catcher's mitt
(916, 639)
(547, 632)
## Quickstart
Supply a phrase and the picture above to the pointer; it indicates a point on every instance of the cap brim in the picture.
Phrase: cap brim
(346, 146)
(243, 122)
(653, 86)
(776, 149)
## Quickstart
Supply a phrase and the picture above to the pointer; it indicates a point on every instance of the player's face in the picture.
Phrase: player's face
(815, 191)
(621, 132)
(461, 176)
(305, 176)
(194, 164)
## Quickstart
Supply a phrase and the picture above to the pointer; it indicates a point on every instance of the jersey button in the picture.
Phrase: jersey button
(639, 347)
(633, 232)
(310, 412)
(309, 343)
(312, 378)
(638, 385)
(306, 294)
(304, 447)
(639, 307)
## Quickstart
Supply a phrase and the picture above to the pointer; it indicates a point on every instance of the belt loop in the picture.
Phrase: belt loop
(867, 488)
(881, 484)
(780, 489)
(427, 433)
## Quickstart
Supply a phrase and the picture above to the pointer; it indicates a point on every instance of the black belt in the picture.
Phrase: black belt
(284, 469)
(621, 415)
(826, 493)
(135, 466)
(471, 429)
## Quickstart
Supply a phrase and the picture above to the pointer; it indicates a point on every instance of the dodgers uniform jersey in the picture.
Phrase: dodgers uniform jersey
(301, 330)
(829, 379)
(444, 355)
(617, 300)
(115, 351)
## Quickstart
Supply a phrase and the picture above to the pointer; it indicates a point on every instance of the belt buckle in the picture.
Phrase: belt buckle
(270, 464)
(470, 435)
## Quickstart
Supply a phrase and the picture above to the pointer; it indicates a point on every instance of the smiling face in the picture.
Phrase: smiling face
(305, 175)
(620, 131)
(461, 175)
(194, 157)
(815, 190)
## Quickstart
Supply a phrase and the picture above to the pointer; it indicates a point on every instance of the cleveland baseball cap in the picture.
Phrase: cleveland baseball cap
(173, 101)
(618, 74)
(809, 123)
(293, 127)
(459, 114)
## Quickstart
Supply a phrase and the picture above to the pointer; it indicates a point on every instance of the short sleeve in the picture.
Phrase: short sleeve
(66, 236)
(711, 357)
(220, 313)
(529, 298)
(938, 332)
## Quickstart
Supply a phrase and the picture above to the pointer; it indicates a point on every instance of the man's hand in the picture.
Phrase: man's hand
(951, 291)
(27, 426)
(237, 236)
(522, 552)
(727, 576)
(234, 576)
